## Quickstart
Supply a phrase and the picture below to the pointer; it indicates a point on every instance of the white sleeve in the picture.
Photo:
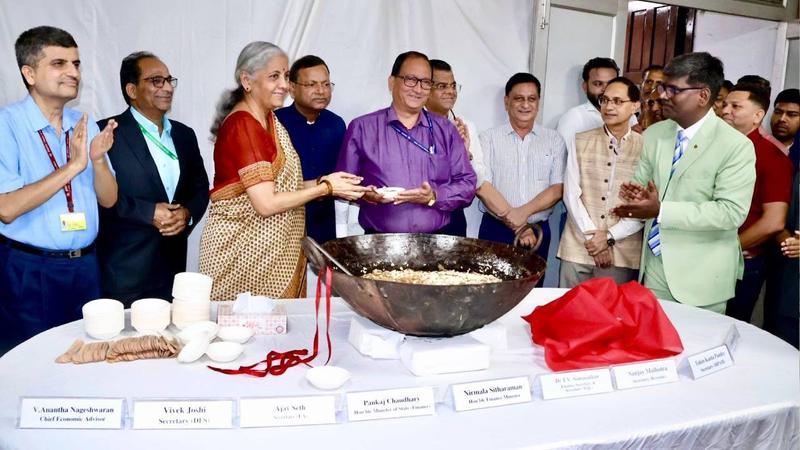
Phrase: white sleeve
(476, 151)
(625, 227)
(576, 211)
(486, 149)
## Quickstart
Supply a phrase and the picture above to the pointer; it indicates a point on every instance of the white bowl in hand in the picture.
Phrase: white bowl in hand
(389, 192)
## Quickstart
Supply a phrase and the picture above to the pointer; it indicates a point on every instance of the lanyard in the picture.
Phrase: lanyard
(158, 143)
(432, 149)
(68, 186)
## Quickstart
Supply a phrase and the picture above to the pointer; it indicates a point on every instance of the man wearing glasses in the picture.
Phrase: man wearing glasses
(163, 187)
(524, 169)
(53, 173)
(404, 146)
(693, 185)
(317, 135)
(596, 243)
(441, 101)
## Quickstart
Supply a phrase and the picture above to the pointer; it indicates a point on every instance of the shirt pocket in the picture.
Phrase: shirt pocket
(541, 166)
(439, 168)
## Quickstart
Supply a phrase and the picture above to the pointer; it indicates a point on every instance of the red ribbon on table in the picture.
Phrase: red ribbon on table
(279, 362)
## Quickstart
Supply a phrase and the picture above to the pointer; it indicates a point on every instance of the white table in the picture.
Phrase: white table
(755, 404)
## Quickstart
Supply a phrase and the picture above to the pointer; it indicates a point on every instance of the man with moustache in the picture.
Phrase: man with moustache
(744, 109)
(53, 173)
(317, 135)
(595, 243)
(407, 147)
(524, 168)
(444, 94)
(693, 186)
(785, 120)
(163, 187)
(650, 108)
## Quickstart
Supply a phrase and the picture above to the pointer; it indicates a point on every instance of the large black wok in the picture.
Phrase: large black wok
(424, 310)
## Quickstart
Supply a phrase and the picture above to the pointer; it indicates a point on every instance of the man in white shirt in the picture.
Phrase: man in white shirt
(524, 168)
(444, 94)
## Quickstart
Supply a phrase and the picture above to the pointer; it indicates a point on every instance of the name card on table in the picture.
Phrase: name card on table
(287, 411)
(182, 414)
(390, 404)
(80, 413)
(489, 393)
(710, 361)
(648, 373)
(576, 383)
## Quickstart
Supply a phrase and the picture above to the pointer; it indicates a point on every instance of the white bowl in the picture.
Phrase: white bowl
(237, 334)
(327, 377)
(192, 285)
(150, 315)
(193, 350)
(199, 330)
(103, 318)
(389, 192)
(224, 351)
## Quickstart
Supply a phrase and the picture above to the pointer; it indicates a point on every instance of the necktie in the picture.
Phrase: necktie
(654, 236)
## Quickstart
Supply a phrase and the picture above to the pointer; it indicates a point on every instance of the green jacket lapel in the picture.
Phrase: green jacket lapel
(698, 146)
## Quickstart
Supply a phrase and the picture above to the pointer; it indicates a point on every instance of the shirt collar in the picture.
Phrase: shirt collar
(39, 122)
(613, 138)
(536, 130)
(587, 105)
(695, 127)
(391, 116)
(150, 126)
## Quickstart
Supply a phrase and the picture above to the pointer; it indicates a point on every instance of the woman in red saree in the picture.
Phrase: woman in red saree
(251, 242)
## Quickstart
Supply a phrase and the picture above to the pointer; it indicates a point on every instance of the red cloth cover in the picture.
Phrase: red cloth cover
(598, 323)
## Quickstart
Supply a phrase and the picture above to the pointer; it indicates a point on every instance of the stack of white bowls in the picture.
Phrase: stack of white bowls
(192, 299)
(103, 318)
(150, 315)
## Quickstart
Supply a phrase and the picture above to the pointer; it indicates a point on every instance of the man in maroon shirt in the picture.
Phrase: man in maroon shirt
(744, 109)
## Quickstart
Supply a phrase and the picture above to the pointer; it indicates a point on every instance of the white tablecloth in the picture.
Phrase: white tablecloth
(755, 404)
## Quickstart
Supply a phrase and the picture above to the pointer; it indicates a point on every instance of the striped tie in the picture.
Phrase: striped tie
(654, 236)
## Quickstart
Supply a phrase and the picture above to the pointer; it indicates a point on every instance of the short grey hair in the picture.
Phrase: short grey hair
(253, 57)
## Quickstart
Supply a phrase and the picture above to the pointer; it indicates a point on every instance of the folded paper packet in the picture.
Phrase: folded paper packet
(598, 323)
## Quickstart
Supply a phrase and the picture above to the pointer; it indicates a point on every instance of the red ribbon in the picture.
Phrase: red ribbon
(279, 362)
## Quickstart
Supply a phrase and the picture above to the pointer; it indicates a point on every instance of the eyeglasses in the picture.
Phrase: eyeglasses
(158, 81)
(614, 101)
(327, 85)
(425, 83)
(442, 86)
(672, 90)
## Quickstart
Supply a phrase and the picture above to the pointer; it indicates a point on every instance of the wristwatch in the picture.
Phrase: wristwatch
(611, 241)
(433, 199)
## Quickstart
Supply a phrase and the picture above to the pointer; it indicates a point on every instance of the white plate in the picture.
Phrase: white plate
(389, 192)
(224, 351)
(237, 334)
(193, 350)
(327, 377)
(205, 329)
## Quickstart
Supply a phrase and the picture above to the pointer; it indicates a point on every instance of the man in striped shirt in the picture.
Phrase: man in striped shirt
(524, 168)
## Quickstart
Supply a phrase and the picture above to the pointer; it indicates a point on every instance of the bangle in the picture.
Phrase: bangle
(329, 186)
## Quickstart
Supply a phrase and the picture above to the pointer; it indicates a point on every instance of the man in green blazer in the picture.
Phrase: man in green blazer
(693, 187)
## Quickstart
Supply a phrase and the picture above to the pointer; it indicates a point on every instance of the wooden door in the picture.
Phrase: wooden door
(656, 35)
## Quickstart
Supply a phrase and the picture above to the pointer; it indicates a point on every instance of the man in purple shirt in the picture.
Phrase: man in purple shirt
(405, 146)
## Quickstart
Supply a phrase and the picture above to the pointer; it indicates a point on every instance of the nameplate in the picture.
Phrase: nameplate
(490, 393)
(81, 413)
(710, 361)
(649, 373)
(390, 404)
(182, 414)
(287, 411)
(575, 384)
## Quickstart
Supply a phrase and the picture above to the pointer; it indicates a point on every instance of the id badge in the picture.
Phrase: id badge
(75, 221)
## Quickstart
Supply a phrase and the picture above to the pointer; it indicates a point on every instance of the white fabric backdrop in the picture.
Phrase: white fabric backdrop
(199, 40)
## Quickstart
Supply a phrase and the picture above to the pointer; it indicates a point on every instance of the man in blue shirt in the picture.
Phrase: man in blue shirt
(163, 187)
(51, 180)
(317, 135)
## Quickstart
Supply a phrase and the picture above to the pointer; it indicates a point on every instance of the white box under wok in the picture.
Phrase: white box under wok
(433, 356)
